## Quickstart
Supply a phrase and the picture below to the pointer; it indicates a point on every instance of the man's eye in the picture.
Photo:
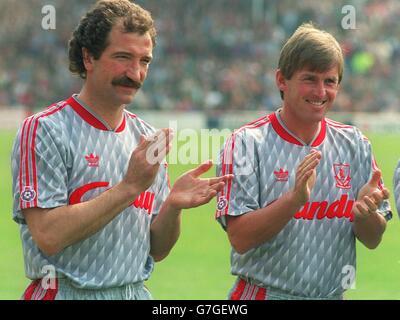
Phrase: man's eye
(331, 82)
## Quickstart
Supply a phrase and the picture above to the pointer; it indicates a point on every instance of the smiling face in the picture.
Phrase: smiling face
(121, 69)
(308, 95)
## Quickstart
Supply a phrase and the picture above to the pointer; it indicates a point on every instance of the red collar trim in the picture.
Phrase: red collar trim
(91, 119)
(122, 125)
(321, 136)
(287, 136)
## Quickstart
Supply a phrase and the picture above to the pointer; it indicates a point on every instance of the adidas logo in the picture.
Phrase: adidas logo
(92, 160)
(281, 175)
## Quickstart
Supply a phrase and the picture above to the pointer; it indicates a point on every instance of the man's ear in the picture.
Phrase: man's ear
(280, 80)
(87, 59)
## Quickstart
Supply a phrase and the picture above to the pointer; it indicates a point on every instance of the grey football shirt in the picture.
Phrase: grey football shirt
(66, 155)
(396, 187)
(312, 254)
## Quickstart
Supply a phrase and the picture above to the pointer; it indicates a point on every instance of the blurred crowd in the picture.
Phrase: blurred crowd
(212, 55)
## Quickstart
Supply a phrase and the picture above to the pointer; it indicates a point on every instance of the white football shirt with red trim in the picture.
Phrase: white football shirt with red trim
(312, 254)
(66, 155)
(396, 187)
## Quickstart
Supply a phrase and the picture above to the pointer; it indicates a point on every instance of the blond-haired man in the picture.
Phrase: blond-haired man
(308, 186)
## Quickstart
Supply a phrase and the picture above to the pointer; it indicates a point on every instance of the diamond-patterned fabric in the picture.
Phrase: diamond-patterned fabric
(309, 256)
(68, 147)
(396, 187)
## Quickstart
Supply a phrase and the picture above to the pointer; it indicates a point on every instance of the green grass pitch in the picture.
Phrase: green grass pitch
(198, 266)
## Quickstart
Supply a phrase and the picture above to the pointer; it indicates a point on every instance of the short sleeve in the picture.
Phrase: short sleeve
(368, 163)
(38, 167)
(241, 194)
(396, 187)
(162, 188)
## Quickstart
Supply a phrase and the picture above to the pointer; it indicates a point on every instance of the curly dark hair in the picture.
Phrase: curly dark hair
(93, 29)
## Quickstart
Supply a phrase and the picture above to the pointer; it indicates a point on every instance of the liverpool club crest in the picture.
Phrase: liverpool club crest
(342, 175)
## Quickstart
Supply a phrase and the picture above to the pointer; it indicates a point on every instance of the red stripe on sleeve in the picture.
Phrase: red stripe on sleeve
(230, 171)
(26, 160)
(227, 167)
(225, 155)
(33, 144)
(221, 194)
(21, 155)
(35, 201)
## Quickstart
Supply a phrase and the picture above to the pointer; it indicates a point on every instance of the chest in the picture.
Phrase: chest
(103, 156)
(341, 171)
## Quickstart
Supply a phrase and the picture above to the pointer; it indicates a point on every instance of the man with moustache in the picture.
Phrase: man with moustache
(91, 191)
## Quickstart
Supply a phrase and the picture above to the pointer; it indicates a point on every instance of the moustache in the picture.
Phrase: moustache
(126, 82)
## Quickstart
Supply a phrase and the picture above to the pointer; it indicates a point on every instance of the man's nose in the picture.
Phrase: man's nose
(134, 72)
(320, 90)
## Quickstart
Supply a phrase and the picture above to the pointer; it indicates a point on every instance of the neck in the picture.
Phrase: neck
(306, 131)
(111, 114)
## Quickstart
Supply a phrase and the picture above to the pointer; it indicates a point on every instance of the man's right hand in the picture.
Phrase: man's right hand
(145, 160)
(249, 231)
(305, 177)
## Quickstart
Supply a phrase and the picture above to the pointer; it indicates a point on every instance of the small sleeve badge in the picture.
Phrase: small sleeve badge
(222, 202)
(28, 194)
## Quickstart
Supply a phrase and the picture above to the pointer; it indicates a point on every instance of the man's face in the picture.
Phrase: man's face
(122, 68)
(308, 95)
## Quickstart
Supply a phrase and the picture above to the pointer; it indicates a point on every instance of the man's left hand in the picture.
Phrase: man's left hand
(190, 191)
(370, 197)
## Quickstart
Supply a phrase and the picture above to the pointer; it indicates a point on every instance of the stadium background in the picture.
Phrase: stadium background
(214, 65)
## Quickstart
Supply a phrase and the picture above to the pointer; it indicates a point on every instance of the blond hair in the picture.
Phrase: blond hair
(311, 48)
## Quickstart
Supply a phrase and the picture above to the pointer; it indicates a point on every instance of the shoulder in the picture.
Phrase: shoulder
(349, 136)
(345, 129)
(51, 119)
(254, 130)
(338, 125)
(143, 126)
(256, 125)
(42, 129)
(397, 176)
